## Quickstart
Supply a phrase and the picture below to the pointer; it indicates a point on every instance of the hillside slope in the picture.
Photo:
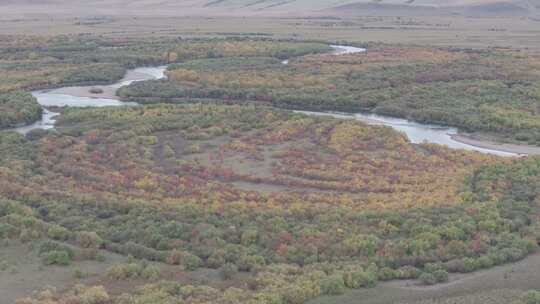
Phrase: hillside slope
(273, 7)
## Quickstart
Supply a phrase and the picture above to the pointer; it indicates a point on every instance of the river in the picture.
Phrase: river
(416, 132)
(80, 96)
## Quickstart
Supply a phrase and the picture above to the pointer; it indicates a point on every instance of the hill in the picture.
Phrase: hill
(274, 7)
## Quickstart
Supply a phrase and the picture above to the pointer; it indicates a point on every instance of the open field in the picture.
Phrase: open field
(442, 31)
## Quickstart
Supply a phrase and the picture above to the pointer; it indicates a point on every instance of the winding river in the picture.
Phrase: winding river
(416, 132)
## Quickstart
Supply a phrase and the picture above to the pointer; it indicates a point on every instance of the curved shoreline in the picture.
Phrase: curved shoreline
(419, 133)
(416, 132)
(61, 97)
(521, 150)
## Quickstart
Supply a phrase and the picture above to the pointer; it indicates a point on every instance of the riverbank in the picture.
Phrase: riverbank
(82, 96)
(491, 144)
(109, 91)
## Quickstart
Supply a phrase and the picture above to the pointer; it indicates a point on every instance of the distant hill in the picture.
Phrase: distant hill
(426, 8)
(275, 7)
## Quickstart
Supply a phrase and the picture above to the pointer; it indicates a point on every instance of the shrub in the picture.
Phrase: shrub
(89, 240)
(333, 285)
(432, 267)
(183, 75)
(441, 275)
(409, 272)
(142, 252)
(96, 90)
(58, 232)
(191, 262)
(387, 274)
(228, 271)
(531, 297)
(124, 271)
(7, 230)
(151, 272)
(464, 265)
(217, 259)
(56, 258)
(484, 262)
(360, 278)
(428, 278)
(49, 246)
(186, 259)
(250, 262)
(94, 295)
(100, 257)
(293, 294)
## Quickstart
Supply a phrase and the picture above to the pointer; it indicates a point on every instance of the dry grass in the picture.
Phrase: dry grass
(439, 31)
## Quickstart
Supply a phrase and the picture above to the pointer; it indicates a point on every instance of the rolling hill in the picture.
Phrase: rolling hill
(274, 7)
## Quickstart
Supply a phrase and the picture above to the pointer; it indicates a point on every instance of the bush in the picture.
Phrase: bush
(250, 262)
(293, 294)
(94, 295)
(142, 252)
(333, 285)
(409, 272)
(58, 232)
(441, 275)
(387, 274)
(484, 262)
(432, 267)
(428, 278)
(124, 271)
(191, 262)
(531, 297)
(462, 265)
(360, 278)
(89, 240)
(49, 246)
(151, 272)
(96, 90)
(217, 259)
(56, 258)
(100, 257)
(186, 259)
(228, 271)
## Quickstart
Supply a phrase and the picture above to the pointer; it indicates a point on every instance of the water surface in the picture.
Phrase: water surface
(55, 98)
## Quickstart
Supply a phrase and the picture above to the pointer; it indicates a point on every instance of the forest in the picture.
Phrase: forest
(170, 184)
(213, 191)
(487, 91)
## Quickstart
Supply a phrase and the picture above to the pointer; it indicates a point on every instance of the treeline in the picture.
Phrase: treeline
(18, 108)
